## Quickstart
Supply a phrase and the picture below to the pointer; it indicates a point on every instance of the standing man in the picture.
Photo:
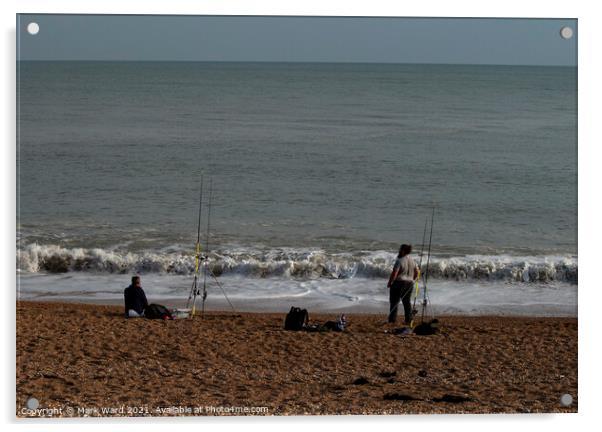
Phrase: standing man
(135, 299)
(404, 274)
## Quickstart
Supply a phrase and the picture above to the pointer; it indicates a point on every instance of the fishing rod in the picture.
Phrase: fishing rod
(414, 310)
(206, 264)
(207, 247)
(426, 273)
(194, 290)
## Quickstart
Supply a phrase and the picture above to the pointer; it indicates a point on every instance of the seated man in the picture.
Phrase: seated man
(135, 299)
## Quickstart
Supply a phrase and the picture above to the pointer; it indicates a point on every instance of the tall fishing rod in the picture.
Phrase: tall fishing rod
(414, 311)
(426, 273)
(207, 246)
(194, 291)
(206, 266)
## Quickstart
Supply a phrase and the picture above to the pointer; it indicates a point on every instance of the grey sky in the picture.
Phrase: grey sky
(293, 39)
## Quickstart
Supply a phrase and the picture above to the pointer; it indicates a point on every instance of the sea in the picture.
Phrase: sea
(312, 176)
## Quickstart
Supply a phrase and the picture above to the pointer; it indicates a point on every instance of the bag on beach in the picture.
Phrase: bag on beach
(296, 319)
(427, 328)
(155, 311)
(338, 325)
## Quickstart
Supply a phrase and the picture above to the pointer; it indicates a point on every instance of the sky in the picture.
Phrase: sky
(297, 39)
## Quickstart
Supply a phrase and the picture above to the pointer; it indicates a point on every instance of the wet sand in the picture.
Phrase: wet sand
(88, 360)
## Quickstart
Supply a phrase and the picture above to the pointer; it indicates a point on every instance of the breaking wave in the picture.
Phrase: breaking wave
(293, 263)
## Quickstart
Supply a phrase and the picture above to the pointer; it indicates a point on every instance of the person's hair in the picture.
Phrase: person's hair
(404, 249)
(134, 279)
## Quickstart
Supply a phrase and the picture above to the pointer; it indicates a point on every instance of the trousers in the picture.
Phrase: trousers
(400, 290)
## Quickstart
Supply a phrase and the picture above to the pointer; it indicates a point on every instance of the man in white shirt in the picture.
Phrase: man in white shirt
(404, 274)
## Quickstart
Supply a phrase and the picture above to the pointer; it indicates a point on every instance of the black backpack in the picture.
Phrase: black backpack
(155, 311)
(427, 328)
(296, 319)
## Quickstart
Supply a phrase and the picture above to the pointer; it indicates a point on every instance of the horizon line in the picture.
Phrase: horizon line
(296, 62)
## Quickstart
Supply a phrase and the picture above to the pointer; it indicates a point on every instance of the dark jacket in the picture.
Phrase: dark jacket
(135, 299)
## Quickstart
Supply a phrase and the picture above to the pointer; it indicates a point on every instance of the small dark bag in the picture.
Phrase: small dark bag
(155, 311)
(296, 319)
(427, 328)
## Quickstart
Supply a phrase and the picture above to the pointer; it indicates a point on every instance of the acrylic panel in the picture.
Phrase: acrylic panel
(244, 166)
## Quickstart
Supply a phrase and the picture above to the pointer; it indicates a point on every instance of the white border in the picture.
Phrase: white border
(589, 196)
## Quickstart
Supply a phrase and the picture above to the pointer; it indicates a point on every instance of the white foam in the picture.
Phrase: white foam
(278, 294)
(297, 264)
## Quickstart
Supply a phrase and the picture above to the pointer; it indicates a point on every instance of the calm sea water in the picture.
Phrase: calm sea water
(342, 160)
